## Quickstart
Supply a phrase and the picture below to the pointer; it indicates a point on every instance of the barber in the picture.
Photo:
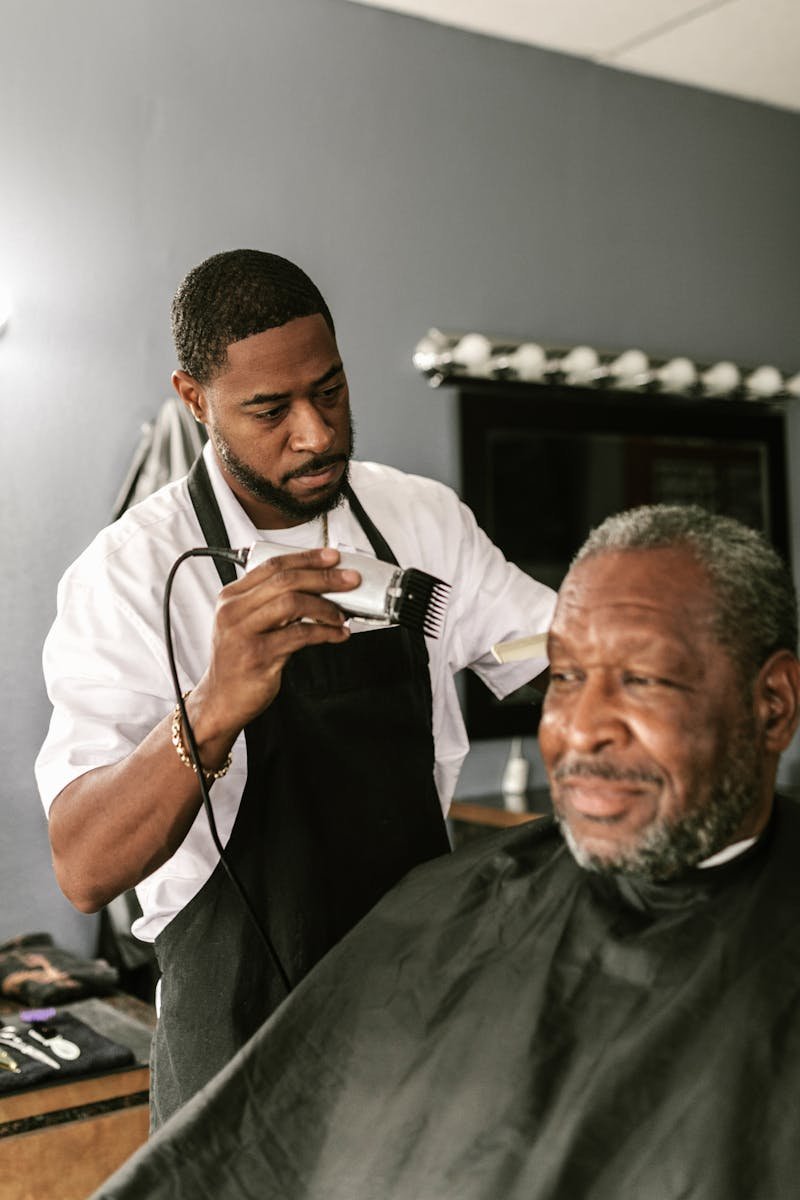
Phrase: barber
(332, 752)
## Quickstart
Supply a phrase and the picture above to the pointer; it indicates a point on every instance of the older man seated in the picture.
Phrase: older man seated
(602, 1006)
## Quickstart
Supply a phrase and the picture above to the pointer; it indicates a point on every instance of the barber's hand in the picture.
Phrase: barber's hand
(260, 621)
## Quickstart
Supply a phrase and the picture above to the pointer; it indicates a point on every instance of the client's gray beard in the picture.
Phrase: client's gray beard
(670, 847)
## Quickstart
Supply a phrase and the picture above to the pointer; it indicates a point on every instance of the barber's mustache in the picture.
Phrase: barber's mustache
(581, 768)
(320, 463)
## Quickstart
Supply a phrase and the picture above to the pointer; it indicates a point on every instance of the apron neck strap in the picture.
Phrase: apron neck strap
(378, 542)
(205, 505)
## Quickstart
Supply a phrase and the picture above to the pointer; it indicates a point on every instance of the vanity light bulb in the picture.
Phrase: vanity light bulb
(528, 361)
(429, 352)
(792, 385)
(630, 365)
(723, 377)
(764, 381)
(580, 364)
(677, 375)
(473, 351)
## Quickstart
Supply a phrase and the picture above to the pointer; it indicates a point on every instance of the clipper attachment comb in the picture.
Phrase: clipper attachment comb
(419, 602)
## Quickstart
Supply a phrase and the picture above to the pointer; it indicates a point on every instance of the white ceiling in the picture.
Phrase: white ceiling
(746, 48)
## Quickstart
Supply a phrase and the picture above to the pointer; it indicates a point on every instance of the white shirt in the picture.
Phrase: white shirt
(106, 667)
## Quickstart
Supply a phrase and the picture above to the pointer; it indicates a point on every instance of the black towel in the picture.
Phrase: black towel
(97, 1053)
(38, 973)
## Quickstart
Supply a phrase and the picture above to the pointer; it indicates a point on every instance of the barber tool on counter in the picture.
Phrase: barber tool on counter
(46, 1035)
(43, 1041)
(7, 1063)
(514, 784)
(10, 1037)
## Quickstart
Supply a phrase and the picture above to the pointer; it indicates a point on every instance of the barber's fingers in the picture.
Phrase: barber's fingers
(284, 590)
(305, 570)
(267, 609)
(245, 671)
(289, 608)
(245, 626)
(263, 619)
(261, 658)
(281, 644)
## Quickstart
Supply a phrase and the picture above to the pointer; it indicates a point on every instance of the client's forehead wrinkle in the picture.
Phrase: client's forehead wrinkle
(663, 587)
(632, 639)
(638, 625)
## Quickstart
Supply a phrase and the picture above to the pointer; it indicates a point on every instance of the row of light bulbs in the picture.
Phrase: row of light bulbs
(440, 356)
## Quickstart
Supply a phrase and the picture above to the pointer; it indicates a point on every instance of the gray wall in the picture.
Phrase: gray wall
(423, 176)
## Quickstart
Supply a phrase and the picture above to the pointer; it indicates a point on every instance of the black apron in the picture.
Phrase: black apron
(339, 804)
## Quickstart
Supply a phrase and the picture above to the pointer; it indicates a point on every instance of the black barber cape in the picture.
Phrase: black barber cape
(504, 1026)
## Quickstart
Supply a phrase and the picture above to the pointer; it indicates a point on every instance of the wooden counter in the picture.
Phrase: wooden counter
(60, 1141)
(478, 816)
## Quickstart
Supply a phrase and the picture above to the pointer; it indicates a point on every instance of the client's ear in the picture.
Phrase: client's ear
(777, 699)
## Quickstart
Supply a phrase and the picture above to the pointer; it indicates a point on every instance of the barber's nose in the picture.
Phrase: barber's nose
(310, 432)
(593, 717)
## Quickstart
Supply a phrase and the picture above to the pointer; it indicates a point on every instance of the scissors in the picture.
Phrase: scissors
(10, 1037)
(7, 1063)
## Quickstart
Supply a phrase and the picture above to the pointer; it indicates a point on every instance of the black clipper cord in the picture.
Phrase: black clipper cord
(235, 556)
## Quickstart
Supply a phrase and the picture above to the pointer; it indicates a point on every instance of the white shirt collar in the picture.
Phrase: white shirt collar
(344, 531)
(732, 851)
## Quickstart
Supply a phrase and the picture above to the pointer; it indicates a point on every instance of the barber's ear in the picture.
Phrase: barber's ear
(777, 699)
(191, 394)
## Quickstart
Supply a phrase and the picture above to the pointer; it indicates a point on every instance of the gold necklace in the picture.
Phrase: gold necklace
(325, 530)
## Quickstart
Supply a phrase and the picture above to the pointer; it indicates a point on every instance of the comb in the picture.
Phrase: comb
(521, 648)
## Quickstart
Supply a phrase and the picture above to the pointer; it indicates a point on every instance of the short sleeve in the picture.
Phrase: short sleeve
(107, 680)
(494, 601)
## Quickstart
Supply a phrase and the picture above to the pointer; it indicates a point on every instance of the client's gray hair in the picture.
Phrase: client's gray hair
(756, 602)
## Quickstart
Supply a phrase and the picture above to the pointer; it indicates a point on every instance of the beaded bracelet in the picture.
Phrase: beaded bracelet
(177, 741)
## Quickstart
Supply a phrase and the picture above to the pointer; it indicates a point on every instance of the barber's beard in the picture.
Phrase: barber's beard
(668, 848)
(277, 495)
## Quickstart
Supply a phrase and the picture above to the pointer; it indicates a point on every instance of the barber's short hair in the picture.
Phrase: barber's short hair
(756, 610)
(232, 296)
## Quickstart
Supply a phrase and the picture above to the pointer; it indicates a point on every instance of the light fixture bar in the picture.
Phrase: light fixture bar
(447, 356)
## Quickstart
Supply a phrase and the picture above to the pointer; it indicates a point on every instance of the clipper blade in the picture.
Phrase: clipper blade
(419, 602)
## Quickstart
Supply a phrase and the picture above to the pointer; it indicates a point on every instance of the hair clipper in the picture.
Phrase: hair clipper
(387, 594)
